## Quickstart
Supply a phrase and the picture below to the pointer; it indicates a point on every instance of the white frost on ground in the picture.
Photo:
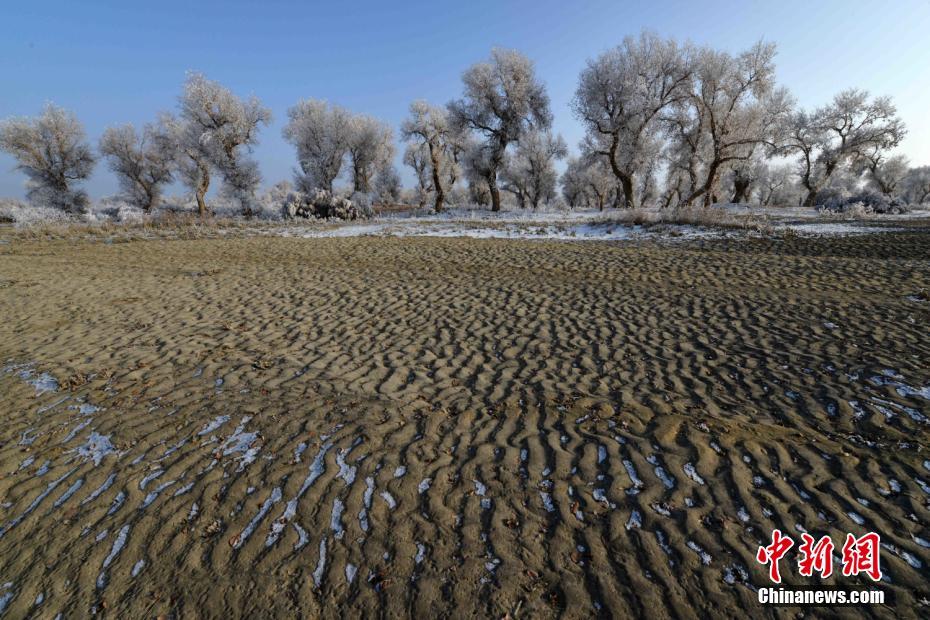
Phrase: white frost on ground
(588, 225)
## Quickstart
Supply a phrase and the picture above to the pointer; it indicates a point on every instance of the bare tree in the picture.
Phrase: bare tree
(191, 160)
(732, 109)
(776, 185)
(320, 133)
(370, 148)
(916, 185)
(882, 172)
(53, 152)
(621, 97)
(588, 181)
(502, 100)
(225, 129)
(142, 162)
(840, 134)
(429, 126)
(529, 174)
(572, 183)
(387, 185)
(476, 164)
(417, 157)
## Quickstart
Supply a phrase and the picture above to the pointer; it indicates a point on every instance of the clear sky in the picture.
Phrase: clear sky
(113, 62)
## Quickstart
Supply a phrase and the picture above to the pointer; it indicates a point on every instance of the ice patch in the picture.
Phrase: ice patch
(635, 520)
(96, 448)
(242, 443)
(151, 497)
(320, 565)
(302, 537)
(335, 522)
(42, 383)
(137, 568)
(117, 503)
(243, 536)
(705, 557)
(118, 545)
(346, 472)
(69, 492)
(692, 473)
(600, 496)
(366, 503)
(88, 409)
(152, 476)
(631, 472)
(181, 491)
(213, 425)
(299, 450)
(424, 485)
(660, 472)
(547, 501)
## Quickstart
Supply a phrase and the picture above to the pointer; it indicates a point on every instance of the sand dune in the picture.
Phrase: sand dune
(451, 426)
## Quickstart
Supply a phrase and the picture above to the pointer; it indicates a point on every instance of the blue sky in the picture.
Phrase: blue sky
(112, 62)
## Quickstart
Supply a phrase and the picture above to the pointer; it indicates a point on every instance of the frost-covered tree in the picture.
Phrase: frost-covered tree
(915, 187)
(588, 181)
(841, 134)
(476, 164)
(502, 100)
(218, 129)
(387, 185)
(430, 127)
(191, 162)
(52, 151)
(529, 173)
(884, 173)
(142, 161)
(732, 110)
(370, 149)
(572, 183)
(417, 157)
(598, 182)
(621, 97)
(320, 133)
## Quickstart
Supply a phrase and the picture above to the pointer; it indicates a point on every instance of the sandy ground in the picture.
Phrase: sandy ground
(459, 427)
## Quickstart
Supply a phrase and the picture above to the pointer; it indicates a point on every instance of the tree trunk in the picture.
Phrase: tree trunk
(810, 198)
(740, 188)
(711, 184)
(625, 179)
(495, 192)
(626, 182)
(437, 182)
(201, 191)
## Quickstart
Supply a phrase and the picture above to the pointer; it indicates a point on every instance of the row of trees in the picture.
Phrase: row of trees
(211, 136)
(665, 123)
(712, 121)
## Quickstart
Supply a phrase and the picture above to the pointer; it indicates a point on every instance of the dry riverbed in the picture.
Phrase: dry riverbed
(333, 426)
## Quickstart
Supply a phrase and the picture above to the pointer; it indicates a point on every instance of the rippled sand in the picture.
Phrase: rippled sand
(456, 427)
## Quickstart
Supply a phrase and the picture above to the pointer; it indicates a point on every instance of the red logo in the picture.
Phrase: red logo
(774, 552)
(860, 555)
